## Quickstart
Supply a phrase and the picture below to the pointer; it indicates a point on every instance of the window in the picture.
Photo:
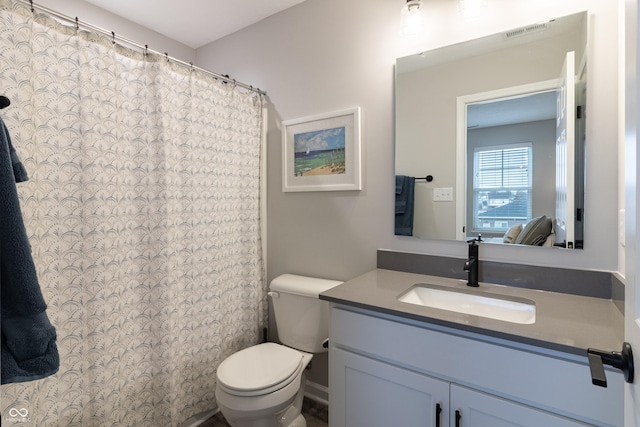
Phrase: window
(501, 187)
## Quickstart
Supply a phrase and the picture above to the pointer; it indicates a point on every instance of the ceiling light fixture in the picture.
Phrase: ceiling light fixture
(411, 18)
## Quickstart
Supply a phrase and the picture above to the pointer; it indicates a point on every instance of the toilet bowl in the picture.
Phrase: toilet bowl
(259, 386)
(263, 385)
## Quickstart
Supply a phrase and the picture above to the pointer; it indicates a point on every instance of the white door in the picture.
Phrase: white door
(632, 197)
(581, 145)
(565, 153)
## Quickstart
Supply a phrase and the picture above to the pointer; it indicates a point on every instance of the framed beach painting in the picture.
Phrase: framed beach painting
(322, 152)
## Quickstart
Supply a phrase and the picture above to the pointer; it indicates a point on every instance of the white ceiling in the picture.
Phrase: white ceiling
(195, 22)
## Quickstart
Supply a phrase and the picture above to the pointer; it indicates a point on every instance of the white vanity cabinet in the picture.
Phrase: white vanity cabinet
(387, 371)
(372, 393)
(473, 408)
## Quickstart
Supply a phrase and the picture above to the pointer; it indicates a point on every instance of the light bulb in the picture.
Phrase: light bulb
(411, 18)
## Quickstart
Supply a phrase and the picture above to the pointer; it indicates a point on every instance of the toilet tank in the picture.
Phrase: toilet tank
(301, 316)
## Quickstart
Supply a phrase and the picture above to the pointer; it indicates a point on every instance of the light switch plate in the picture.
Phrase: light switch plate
(444, 194)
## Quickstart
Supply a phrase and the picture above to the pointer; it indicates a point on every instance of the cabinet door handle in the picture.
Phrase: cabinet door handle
(458, 418)
(438, 411)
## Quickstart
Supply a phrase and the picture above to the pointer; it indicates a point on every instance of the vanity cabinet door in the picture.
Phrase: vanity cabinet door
(470, 408)
(369, 393)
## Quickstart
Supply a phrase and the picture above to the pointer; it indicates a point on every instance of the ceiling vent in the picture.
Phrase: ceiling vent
(525, 31)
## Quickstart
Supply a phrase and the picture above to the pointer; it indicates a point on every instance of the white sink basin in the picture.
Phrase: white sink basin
(477, 303)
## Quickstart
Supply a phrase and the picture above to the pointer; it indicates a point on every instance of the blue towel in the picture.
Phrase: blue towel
(29, 350)
(405, 186)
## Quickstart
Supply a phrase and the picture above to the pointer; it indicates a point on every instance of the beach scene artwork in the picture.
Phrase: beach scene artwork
(319, 152)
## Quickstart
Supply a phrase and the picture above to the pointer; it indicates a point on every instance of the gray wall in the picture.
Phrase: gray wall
(326, 55)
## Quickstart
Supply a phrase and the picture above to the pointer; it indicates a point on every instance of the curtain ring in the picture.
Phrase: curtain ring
(166, 55)
(146, 50)
(77, 24)
(113, 37)
(31, 3)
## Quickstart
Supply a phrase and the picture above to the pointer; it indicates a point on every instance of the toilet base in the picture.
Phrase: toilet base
(293, 417)
(289, 414)
(298, 422)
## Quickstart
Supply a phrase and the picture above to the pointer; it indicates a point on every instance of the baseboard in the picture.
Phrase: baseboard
(317, 392)
(200, 418)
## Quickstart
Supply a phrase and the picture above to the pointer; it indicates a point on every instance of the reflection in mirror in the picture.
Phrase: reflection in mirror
(506, 139)
(483, 118)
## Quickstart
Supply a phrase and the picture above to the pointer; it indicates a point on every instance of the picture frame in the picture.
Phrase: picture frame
(322, 152)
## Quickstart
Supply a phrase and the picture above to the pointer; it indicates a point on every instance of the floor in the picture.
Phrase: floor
(316, 414)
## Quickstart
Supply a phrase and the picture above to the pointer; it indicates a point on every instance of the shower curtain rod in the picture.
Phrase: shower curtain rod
(116, 38)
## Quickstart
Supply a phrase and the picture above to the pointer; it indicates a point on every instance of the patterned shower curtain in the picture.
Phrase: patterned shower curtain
(143, 215)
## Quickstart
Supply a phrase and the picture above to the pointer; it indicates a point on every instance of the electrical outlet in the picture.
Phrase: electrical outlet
(444, 194)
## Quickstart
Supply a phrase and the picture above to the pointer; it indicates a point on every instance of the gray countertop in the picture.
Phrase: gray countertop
(564, 322)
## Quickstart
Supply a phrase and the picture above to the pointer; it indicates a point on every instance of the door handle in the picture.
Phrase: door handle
(622, 360)
(458, 418)
(438, 412)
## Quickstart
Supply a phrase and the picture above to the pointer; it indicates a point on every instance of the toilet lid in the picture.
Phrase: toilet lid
(260, 368)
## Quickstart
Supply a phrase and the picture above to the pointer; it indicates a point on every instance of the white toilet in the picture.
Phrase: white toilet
(263, 385)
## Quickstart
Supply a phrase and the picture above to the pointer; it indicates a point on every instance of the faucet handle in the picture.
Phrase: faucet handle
(475, 240)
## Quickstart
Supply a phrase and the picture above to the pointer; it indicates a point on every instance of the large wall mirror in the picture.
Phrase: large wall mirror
(490, 137)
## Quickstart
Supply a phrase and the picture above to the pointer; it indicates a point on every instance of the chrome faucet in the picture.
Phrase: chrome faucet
(471, 265)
